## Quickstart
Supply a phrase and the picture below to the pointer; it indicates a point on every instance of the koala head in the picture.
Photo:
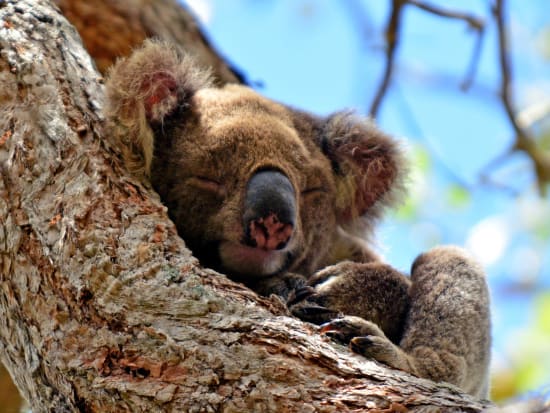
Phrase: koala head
(255, 187)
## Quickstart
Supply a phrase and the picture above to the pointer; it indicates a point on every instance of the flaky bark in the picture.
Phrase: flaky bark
(103, 309)
(112, 28)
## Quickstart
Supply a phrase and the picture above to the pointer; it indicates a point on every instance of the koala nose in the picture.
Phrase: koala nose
(269, 210)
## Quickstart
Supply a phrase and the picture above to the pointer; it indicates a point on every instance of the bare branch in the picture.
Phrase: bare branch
(474, 22)
(392, 37)
(524, 141)
(102, 306)
(506, 72)
(111, 29)
(393, 31)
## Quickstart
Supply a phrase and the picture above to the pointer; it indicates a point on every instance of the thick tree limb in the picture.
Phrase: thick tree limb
(112, 28)
(103, 309)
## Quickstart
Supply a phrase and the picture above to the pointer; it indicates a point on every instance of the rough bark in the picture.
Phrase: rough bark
(112, 28)
(102, 308)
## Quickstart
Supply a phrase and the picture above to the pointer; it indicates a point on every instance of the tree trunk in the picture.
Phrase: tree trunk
(112, 28)
(103, 309)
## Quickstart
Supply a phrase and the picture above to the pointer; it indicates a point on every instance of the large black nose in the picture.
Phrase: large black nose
(269, 210)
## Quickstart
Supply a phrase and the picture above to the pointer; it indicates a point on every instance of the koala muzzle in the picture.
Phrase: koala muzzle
(269, 210)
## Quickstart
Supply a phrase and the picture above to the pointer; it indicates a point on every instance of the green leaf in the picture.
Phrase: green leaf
(407, 211)
(458, 196)
(420, 159)
(542, 308)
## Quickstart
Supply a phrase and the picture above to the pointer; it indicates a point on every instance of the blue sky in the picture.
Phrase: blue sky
(326, 55)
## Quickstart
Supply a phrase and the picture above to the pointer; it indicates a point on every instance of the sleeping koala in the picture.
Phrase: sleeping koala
(283, 200)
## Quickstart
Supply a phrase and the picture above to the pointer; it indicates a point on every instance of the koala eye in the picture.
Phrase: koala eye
(207, 184)
(314, 191)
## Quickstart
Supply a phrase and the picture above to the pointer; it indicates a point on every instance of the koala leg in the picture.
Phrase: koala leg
(447, 331)
(446, 336)
(441, 323)
(366, 338)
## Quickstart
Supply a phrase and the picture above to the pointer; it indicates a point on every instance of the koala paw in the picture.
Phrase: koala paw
(282, 285)
(344, 329)
(365, 338)
(307, 304)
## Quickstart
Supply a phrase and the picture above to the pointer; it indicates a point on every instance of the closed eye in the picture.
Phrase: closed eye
(314, 190)
(207, 184)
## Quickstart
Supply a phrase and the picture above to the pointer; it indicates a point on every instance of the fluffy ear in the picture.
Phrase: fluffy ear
(142, 91)
(368, 165)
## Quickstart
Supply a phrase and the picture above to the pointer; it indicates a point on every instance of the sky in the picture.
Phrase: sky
(327, 55)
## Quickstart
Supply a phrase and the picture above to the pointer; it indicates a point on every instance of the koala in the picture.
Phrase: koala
(285, 202)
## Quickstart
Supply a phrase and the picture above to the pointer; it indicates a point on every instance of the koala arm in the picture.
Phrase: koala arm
(437, 325)
(346, 248)
(373, 291)
(447, 331)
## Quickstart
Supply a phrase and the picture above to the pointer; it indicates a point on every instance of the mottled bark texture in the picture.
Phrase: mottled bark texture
(102, 308)
(112, 28)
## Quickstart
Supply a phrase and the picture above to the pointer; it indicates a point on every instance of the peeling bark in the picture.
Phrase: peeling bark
(112, 28)
(103, 309)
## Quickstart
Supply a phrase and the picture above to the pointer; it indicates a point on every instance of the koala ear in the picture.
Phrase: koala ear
(143, 90)
(369, 166)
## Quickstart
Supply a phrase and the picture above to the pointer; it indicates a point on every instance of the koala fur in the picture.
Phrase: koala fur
(284, 201)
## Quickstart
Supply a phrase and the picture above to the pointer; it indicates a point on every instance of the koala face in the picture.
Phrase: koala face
(247, 192)
(254, 187)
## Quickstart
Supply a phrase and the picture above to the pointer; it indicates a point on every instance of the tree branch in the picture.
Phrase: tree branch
(393, 30)
(474, 22)
(524, 142)
(102, 308)
(523, 139)
(135, 20)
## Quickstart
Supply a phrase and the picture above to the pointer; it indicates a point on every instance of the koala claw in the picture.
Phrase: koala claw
(336, 336)
(370, 346)
(367, 339)
(381, 349)
(313, 313)
(364, 337)
(360, 344)
(349, 327)
(307, 304)
(300, 294)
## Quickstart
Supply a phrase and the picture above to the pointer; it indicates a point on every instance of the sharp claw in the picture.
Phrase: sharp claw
(335, 335)
(359, 343)
(300, 294)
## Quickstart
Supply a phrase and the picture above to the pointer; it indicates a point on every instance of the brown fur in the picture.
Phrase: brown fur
(200, 145)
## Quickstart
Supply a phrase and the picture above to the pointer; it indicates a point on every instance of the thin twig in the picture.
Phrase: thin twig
(506, 70)
(474, 62)
(474, 22)
(523, 140)
(392, 38)
(393, 32)
(497, 162)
